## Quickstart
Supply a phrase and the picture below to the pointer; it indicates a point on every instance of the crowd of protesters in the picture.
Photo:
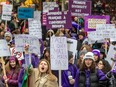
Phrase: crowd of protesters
(89, 68)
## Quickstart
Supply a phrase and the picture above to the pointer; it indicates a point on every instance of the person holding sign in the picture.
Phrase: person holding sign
(68, 76)
(43, 75)
(88, 75)
(12, 72)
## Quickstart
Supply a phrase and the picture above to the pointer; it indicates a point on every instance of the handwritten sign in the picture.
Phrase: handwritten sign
(80, 8)
(25, 13)
(4, 50)
(105, 30)
(59, 53)
(21, 40)
(6, 12)
(91, 21)
(35, 27)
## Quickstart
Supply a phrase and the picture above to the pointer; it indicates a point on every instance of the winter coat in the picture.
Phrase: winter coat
(13, 78)
(89, 79)
(41, 81)
(72, 69)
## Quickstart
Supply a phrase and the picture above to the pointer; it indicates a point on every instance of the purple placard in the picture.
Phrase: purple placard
(58, 20)
(80, 8)
(91, 21)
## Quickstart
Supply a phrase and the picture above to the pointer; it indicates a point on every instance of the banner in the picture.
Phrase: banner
(35, 27)
(59, 19)
(80, 8)
(21, 40)
(4, 50)
(91, 21)
(59, 53)
(25, 13)
(6, 12)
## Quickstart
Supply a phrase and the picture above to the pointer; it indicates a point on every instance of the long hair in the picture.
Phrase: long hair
(48, 72)
(83, 66)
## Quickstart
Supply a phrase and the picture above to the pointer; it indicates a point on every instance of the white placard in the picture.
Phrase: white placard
(19, 55)
(21, 40)
(49, 6)
(6, 12)
(4, 50)
(105, 30)
(35, 27)
(59, 53)
(37, 15)
(111, 53)
(72, 46)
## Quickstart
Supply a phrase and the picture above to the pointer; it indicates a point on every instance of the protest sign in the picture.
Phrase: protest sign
(58, 20)
(25, 13)
(48, 6)
(19, 55)
(37, 15)
(59, 53)
(111, 54)
(4, 51)
(6, 12)
(105, 30)
(72, 46)
(80, 8)
(35, 27)
(21, 40)
(91, 21)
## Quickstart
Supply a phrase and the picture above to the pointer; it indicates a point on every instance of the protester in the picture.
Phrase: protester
(12, 72)
(68, 76)
(88, 75)
(43, 76)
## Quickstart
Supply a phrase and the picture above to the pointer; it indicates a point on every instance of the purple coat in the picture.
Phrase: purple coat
(101, 77)
(13, 78)
(72, 69)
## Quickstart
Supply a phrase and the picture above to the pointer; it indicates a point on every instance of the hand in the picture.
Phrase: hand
(72, 81)
(6, 80)
(4, 77)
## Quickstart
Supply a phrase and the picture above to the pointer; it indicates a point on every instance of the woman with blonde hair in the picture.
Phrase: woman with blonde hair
(43, 76)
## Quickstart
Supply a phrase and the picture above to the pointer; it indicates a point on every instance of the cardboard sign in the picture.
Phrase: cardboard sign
(91, 21)
(6, 12)
(80, 8)
(35, 27)
(59, 53)
(21, 40)
(25, 13)
(19, 55)
(59, 19)
(4, 50)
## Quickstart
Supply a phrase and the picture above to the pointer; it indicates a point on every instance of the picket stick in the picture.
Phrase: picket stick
(6, 25)
(60, 78)
(4, 71)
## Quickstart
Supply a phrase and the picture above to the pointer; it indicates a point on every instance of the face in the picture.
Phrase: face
(101, 56)
(43, 67)
(100, 65)
(95, 57)
(80, 37)
(13, 63)
(8, 38)
(71, 60)
(47, 53)
(88, 62)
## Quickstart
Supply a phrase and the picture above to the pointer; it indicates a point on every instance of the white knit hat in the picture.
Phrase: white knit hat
(89, 55)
